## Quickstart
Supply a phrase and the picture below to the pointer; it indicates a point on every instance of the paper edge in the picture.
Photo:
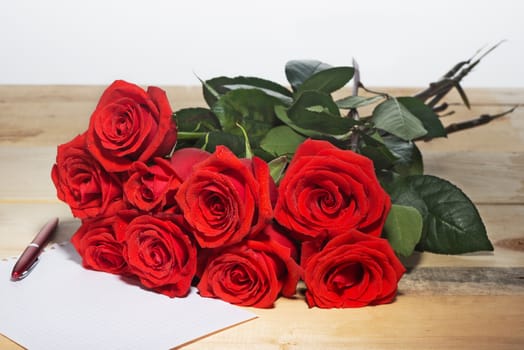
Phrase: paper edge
(254, 317)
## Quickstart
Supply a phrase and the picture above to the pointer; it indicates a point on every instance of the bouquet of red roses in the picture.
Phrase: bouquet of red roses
(266, 188)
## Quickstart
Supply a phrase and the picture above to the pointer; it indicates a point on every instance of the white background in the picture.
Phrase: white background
(397, 43)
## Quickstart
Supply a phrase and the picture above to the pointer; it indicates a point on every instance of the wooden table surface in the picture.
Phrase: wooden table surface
(473, 301)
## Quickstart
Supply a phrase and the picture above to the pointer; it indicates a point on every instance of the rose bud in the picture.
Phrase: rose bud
(83, 184)
(130, 124)
(326, 190)
(152, 188)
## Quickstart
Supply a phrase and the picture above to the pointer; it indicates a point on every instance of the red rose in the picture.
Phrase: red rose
(96, 243)
(153, 187)
(161, 254)
(252, 273)
(83, 184)
(130, 124)
(222, 197)
(352, 270)
(329, 190)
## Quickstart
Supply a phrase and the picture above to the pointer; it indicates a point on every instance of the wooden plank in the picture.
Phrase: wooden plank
(505, 134)
(19, 222)
(412, 322)
(7, 344)
(453, 280)
(486, 177)
(26, 173)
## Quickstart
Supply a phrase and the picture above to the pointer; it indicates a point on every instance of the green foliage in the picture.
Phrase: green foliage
(252, 115)
(357, 101)
(408, 157)
(234, 142)
(277, 167)
(452, 224)
(403, 229)
(328, 80)
(428, 118)
(298, 71)
(315, 110)
(373, 147)
(393, 117)
(196, 120)
(281, 140)
(221, 85)
(251, 108)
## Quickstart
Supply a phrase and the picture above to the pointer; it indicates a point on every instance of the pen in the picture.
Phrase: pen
(29, 257)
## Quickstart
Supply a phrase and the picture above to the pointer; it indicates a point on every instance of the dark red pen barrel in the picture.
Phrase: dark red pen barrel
(25, 261)
(30, 255)
(43, 236)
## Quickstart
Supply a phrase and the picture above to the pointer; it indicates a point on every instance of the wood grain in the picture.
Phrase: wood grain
(412, 322)
(454, 280)
(487, 177)
(470, 301)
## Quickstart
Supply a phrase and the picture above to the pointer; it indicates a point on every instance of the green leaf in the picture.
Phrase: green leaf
(317, 109)
(234, 142)
(283, 98)
(277, 167)
(251, 108)
(393, 117)
(327, 80)
(357, 101)
(281, 140)
(221, 85)
(196, 120)
(425, 114)
(452, 224)
(409, 159)
(281, 113)
(403, 229)
(298, 71)
(318, 112)
(374, 148)
(315, 102)
(209, 92)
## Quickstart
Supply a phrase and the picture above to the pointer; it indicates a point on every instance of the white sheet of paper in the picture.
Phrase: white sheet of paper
(61, 305)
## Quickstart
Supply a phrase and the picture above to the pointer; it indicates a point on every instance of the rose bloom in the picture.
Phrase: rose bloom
(161, 254)
(329, 190)
(251, 273)
(153, 187)
(130, 124)
(96, 243)
(352, 270)
(223, 198)
(83, 184)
